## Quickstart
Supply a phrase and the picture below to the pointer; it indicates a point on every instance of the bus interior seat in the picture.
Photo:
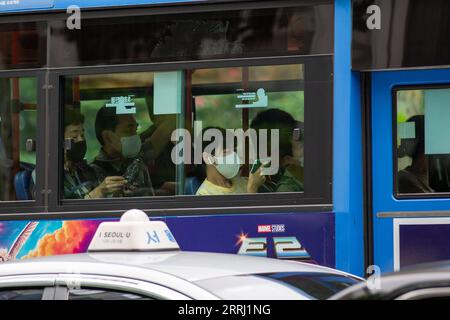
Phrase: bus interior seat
(191, 185)
(22, 183)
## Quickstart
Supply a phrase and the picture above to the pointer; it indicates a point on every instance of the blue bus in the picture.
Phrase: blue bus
(339, 109)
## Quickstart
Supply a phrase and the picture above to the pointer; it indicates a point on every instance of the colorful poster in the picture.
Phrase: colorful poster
(25, 239)
(304, 236)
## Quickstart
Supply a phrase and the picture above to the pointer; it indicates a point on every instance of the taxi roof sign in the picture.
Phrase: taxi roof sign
(134, 232)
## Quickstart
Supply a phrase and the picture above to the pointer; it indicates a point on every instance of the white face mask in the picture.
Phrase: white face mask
(131, 146)
(229, 165)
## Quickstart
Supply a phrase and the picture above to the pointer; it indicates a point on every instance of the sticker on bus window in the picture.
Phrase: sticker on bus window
(437, 119)
(168, 92)
(256, 99)
(123, 105)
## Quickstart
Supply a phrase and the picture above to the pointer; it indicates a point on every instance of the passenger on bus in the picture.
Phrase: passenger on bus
(80, 180)
(284, 180)
(414, 178)
(157, 149)
(221, 168)
(121, 154)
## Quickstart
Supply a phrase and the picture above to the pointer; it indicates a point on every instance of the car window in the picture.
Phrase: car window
(22, 294)
(275, 286)
(317, 285)
(125, 134)
(422, 149)
(98, 294)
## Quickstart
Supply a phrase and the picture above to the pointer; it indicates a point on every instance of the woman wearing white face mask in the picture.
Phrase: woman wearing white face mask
(222, 174)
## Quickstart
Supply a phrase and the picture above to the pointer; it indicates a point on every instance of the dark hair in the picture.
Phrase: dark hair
(106, 119)
(277, 119)
(224, 135)
(72, 117)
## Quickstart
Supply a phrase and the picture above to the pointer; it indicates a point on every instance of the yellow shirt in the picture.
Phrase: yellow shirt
(238, 185)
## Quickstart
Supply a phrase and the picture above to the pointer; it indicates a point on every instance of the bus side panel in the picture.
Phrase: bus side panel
(295, 236)
(347, 149)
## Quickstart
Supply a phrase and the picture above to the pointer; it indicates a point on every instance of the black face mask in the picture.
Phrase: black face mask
(77, 151)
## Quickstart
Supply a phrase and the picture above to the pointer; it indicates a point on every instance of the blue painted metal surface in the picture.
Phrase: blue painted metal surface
(308, 236)
(7, 6)
(383, 167)
(347, 159)
(347, 152)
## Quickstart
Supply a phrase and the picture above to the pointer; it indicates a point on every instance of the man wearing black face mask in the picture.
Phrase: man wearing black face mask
(80, 180)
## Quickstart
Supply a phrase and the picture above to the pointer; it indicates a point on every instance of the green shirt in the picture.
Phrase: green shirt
(283, 181)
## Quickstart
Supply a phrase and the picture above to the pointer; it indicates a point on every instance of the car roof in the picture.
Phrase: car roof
(191, 266)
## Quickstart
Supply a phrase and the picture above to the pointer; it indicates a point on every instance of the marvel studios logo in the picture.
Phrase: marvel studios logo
(271, 228)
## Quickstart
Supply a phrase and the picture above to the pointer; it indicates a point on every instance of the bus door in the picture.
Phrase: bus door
(410, 118)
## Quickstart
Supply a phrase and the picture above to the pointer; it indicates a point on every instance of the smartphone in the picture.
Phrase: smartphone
(297, 134)
(258, 163)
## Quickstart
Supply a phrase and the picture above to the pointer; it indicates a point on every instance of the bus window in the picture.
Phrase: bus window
(423, 147)
(251, 103)
(204, 132)
(22, 45)
(17, 138)
(116, 144)
(301, 30)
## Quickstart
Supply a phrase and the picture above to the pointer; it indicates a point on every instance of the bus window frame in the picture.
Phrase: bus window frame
(410, 196)
(174, 205)
(48, 204)
(36, 205)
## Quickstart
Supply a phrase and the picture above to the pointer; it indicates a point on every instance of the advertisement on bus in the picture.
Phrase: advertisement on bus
(302, 237)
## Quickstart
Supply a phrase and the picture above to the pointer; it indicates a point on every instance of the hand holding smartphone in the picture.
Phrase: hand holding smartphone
(258, 163)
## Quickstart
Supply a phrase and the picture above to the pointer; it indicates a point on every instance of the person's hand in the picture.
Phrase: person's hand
(255, 180)
(113, 184)
(109, 185)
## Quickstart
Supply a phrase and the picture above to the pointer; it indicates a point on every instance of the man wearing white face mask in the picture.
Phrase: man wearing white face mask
(222, 168)
(121, 152)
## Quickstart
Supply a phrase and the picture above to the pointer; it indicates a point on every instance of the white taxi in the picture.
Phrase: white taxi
(139, 259)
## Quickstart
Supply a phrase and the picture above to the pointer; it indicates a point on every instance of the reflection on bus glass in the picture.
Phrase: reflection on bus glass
(423, 150)
(131, 135)
(23, 45)
(195, 36)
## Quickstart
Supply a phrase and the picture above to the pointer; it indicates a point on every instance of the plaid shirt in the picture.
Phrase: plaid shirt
(79, 181)
(134, 170)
